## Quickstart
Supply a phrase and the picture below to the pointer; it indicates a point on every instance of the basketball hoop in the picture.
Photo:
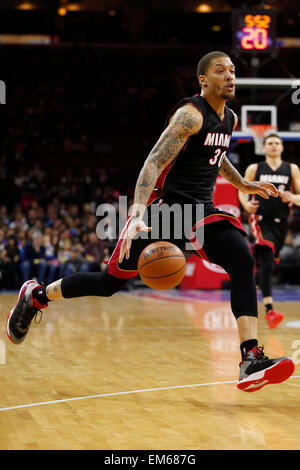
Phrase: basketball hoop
(259, 132)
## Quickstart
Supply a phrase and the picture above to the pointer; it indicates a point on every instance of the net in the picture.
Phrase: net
(259, 132)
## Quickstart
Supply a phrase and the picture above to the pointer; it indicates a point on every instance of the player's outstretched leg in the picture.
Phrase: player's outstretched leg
(34, 297)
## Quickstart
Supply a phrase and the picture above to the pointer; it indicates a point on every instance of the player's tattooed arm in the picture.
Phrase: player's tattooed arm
(261, 188)
(185, 122)
(228, 172)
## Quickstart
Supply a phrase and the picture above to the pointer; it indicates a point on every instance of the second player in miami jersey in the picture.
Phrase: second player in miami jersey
(268, 219)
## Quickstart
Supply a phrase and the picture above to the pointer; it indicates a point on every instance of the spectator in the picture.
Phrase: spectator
(34, 259)
(4, 217)
(105, 259)
(75, 263)
(21, 237)
(64, 252)
(10, 257)
(19, 221)
(51, 257)
(2, 240)
(94, 251)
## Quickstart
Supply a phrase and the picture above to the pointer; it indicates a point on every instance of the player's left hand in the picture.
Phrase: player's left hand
(265, 190)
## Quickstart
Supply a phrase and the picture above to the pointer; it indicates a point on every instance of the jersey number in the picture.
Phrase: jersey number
(214, 159)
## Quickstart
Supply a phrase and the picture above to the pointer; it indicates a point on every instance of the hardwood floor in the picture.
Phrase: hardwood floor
(143, 371)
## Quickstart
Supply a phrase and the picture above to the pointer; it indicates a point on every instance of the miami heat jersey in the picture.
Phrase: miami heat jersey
(282, 179)
(194, 172)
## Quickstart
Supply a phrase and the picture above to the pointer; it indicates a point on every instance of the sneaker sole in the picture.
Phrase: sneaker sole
(273, 375)
(14, 341)
(21, 293)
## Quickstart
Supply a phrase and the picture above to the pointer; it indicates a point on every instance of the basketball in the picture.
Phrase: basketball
(161, 265)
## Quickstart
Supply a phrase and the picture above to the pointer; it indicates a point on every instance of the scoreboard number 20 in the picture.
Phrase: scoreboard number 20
(254, 30)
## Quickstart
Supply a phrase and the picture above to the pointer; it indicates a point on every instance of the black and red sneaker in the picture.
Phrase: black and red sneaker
(20, 317)
(257, 370)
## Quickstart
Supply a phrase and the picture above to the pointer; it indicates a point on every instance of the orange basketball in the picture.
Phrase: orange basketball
(161, 265)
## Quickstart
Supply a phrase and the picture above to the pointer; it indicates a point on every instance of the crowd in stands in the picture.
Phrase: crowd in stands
(48, 241)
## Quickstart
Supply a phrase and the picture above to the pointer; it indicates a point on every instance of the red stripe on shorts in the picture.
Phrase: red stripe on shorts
(256, 232)
(209, 220)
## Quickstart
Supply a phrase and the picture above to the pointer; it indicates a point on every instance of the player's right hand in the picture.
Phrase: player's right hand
(261, 188)
(135, 226)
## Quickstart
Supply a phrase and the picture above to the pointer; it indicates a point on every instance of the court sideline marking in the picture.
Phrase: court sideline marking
(129, 392)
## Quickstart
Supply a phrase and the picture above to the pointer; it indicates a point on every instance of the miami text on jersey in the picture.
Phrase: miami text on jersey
(214, 138)
(282, 179)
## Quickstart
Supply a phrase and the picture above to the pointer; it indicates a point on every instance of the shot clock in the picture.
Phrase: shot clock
(254, 30)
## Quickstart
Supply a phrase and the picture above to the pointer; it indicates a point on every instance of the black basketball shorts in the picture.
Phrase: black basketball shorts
(269, 232)
(173, 219)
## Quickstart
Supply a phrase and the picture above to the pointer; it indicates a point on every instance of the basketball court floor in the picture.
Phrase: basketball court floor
(151, 370)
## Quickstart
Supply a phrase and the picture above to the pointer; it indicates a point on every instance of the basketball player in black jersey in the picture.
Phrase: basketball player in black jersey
(269, 218)
(182, 168)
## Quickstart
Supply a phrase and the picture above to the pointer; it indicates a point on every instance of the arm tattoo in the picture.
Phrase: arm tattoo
(166, 149)
(228, 171)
